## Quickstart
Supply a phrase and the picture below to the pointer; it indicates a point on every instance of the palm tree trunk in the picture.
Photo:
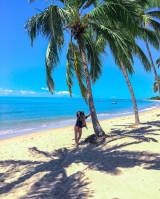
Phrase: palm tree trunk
(97, 128)
(153, 66)
(137, 121)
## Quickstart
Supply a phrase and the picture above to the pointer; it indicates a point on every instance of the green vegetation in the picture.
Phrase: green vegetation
(158, 62)
(155, 98)
(155, 85)
(149, 18)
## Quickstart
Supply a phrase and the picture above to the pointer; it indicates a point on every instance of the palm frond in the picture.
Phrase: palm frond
(116, 38)
(79, 70)
(144, 60)
(158, 62)
(72, 3)
(155, 14)
(31, 27)
(75, 65)
(155, 85)
(121, 11)
(70, 67)
(52, 59)
(31, 1)
(88, 3)
(154, 3)
(150, 36)
(94, 49)
(48, 23)
(155, 25)
(120, 58)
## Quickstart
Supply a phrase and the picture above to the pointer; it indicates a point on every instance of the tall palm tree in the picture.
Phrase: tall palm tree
(128, 67)
(124, 58)
(125, 62)
(147, 36)
(55, 20)
(149, 19)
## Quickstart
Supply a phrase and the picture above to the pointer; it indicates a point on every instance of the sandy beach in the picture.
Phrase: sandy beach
(124, 165)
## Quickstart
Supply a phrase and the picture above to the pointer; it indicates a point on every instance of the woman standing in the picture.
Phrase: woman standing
(80, 123)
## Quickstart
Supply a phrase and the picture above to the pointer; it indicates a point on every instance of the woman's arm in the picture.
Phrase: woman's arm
(88, 116)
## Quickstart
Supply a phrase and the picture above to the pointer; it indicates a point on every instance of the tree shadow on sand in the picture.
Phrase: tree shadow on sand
(56, 184)
(142, 133)
(53, 184)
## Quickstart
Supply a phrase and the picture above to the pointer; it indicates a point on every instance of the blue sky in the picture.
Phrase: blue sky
(22, 67)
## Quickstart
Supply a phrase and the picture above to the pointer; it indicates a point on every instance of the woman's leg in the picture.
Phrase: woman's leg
(80, 133)
(76, 134)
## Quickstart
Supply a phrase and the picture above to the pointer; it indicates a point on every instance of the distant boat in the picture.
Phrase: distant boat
(114, 102)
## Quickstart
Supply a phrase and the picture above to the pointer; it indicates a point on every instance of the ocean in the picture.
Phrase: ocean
(23, 115)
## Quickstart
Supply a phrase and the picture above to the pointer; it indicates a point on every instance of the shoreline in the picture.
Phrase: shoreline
(58, 126)
(46, 164)
(69, 127)
(41, 122)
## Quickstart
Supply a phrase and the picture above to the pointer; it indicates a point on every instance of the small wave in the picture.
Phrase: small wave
(17, 131)
(149, 108)
(102, 114)
(124, 113)
(44, 125)
(121, 113)
(4, 132)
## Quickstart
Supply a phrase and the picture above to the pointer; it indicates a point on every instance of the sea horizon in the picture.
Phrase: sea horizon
(24, 115)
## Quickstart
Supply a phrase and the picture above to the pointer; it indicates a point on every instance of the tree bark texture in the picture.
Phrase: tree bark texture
(96, 126)
(137, 121)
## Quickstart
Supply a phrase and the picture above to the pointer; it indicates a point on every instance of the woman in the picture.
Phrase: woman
(80, 123)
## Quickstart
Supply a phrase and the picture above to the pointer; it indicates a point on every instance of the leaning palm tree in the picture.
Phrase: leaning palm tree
(146, 35)
(149, 19)
(127, 68)
(126, 60)
(123, 54)
(55, 20)
(125, 63)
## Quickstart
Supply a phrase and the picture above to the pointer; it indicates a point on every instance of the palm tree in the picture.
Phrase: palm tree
(55, 20)
(129, 67)
(152, 37)
(123, 54)
(125, 61)
(149, 18)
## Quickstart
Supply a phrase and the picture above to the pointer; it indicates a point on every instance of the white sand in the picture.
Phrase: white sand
(46, 165)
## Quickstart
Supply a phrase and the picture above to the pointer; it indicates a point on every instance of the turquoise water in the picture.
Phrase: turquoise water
(22, 115)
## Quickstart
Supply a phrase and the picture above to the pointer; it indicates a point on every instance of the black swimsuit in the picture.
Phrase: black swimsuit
(79, 122)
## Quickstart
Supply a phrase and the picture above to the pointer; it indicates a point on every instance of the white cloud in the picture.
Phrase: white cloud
(46, 89)
(27, 92)
(8, 92)
(5, 91)
(61, 93)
